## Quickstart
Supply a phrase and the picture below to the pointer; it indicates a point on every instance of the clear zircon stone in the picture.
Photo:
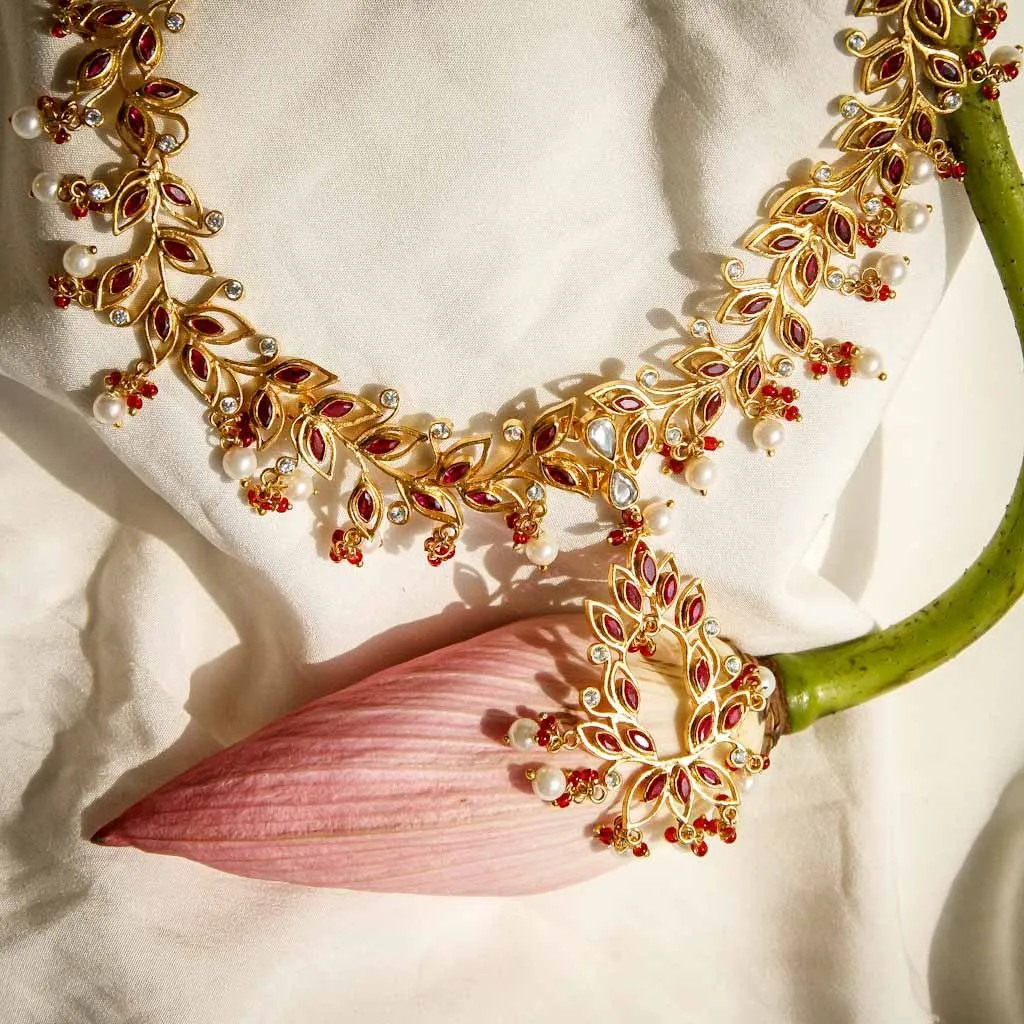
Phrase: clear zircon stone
(229, 405)
(599, 654)
(215, 220)
(513, 433)
(856, 41)
(649, 378)
(733, 664)
(535, 492)
(174, 21)
(167, 143)
(98, 192)
(268, 347)
(398, 513)
(673, 435)
(286, 465)
(92, 117)
(389, 398)
(784, 367)
(440, 431)
(851, 108)
(711, 627)
(591, 697)
(834, 278)
(738, 757)
(233, 289)
(119, 316)
(613, 779)
(700, 328)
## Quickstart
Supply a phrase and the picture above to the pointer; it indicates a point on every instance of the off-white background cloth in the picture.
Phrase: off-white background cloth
(467, 201)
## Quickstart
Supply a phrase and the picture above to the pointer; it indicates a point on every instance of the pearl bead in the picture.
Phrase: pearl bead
(549, 783)
(700, 473)
(79, 260)
(239, 462)
(45, 187)
(541, 551)
(27, 123)
(767, 679)
(869, 362)
(109, 408)
(892, 270)
(921, 168)
(914, 217)
(658, 517)
(522, 734)
(1005, 55)
(300, 487)
(769, 434)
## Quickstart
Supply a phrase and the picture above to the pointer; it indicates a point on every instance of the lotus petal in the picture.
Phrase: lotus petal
(399, 783)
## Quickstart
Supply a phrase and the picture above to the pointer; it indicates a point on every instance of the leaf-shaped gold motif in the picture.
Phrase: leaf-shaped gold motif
(183, 251)
(707, 364)
(430, 501)
(164, 94)
(112, 20)
(551, 427)
(463, 461)
(643, 796)
(746, 304)
(266, 415)
(97, 70)
(214, 325)
(691, 607)
(932, 19)
(119, 282)
(206, 375)
(600, 740)
(793, 331)
(314, 440)
(161, 330)
(133, 200)
(946, 69)
(776, 240)
(386, 444)
(714, 782)
(807, 273)
(365, 506)
(178, 198)
(869, 133)
(147, 45)
(136, 127)
(567, 474)
(802, 203)
(608, 624)
(620, 398)
(885, 67)
(841, 229)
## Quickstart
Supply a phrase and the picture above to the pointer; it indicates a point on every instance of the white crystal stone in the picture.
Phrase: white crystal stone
(46, 187)
(513, 432)
(109, 409)
(174, 21)
(268, 347)
(784, 367)
(823, 174)
(398, 513)
(535, 492)
(215, 220)
(700, 328)
(738, 757)
(549, 783)
(233, 289)
(239, 463)
(440, 431)
(733, 664)
(920, 168)
(649, 378)
(591, 697)
(389, 398)
(286, 464)
(767, 679)
(167, 143)
(26, 123)
(834, 278)
(79, 260)
(622, 489)
(612, 779)
(768, 434)
(950, 100)
(598, 654)
(673, 435)
(869, 362)
(851, 108)
(98, 192)
(601, 435)
(92, 117)
(872, 205)
(229, 404)
(856, 41)
(965, 7)
(119, 316)
(711, 627)
(733, 270)
(522, 734)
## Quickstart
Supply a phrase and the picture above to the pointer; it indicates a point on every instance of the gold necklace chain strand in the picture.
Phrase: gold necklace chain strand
(275, 413)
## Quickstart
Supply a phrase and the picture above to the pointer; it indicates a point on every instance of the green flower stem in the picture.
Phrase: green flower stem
(821, 682)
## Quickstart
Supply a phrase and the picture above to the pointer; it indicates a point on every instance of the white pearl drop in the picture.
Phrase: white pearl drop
(549, 783)
(700, 473)
(45, 187)
(658, 517)
(300, 487)
(541, 551)
(239, 462)
(914, 217)
(522, 734)
(921, 168)
(26, 123)
(79, 260)
(869, 362)
(1005, 55)
(892, 270)
(767, 679)
(109, 408)
(769, 434)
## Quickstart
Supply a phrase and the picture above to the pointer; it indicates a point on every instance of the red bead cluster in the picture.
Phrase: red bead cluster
(632, 524)
(644, 645)
(345, 547)
(264, 499)
(440, 547)
(694, 837)
(988, 18)
(839, 362)
(675, 460)
(66, 289)
(870, 233)
(616, 835)
(60, 117)
(134, 387)
(954, 171)
(525, 525)
(779, 401)
(883, 294)
(581, 784)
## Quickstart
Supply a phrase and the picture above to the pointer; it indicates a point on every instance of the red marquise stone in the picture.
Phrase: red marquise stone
(924, 128)
(797, 334)
(200, 367)
(317, 445)
(114, 18)
(669, 587)
(892, 65)
(649, 569)
(97, 64)
(161, 90)
(708, 775)
(756, 305)
(291, 373)
(145, 44)
(946, 69)
(702, 674)
(695, 611)
(206, 325)
(609, 743)
(640, 740)
(427, 501)
(483, 498)
(753, 379)
(702, 730)
(682, 786)
(135, 201)
(162, 322)
(136, 122)
(812, 267)
(365, 506)
(655, 787)
(894, 172)
(712, 406)
(641, 439)
(454, 473)
(785, 242)
(733, 715)
(842, 228)
(175, 193)
(381, 445)
(336, 409)
(630, 696)
(714, 369)
(559, 476)
(632, 596)
(628, 403)
(263, 410)
(178, 250)
(882, 138)
(545, 437)
(122, 279)
(809, 207)
(613, 628)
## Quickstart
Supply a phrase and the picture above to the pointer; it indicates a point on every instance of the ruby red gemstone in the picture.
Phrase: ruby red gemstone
(145, 44)
(613, 628)
(714, 369)
(292, 373)
(843, 228)
(161, 90)
(811, 270)
(176, 194)
(609, 743)
(712, 406)
(894, 172)
(628, 403)
(427, 501)
(671, 834)
(695, 611)
(630, 696)
(136, 122)
(336, 409)
(784, 243)
(709, 775)
(946, 70)
(560, 476)
(753, 379)
(809, 207)
(756, 305)
(882, 138)
(733, 716)
(178, 250)
(924, 128)
(632, 596)
(317, 444)
(702, 674)
(892, 65)
(545, 437)
(655, 787)
(669, 587)
(649, 569)
(797, 333)
(263, 410)
(134, 402)
(200, 367)
(206, 325)
(365, 506)
(162, 322)
(564, 800)
(97, 64)
(135, 202)
(640, 740)
(454, 473)
(641, 439)
(115, 18)
(122, 279)
(682, 786)
(483, 498)
(702, 730)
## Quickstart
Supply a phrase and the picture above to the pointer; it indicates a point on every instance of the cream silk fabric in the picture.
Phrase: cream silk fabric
(487, 205)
